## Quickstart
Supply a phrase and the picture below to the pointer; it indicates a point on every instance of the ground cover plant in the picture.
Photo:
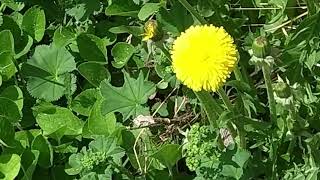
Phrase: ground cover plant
(160, 89)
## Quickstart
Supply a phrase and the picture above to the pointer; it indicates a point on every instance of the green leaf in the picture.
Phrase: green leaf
(94, 72)
(107, 145)
(6, 132)
(161, 174)
(27, 42)
(168, 154)
(129, 99)
(162, 111)
(100, 31)
(9, 110)
(312, 59)
(121, 53)
(231, 171)
(122, 8)
(47, 70)
(100, 148)
(99, 124)
(92, 48)
(58, 172)
(207, 104)
(313, 6)
(147, 10)
(306, 30)
(57, 121)
(15, 94)
(7, 67)
(313, 174)
(8, 23)
(65, 148)
(75, 166)
(41, 144)
(34, 23)
(29, 160)
(17, 17)
(26, 137)
(136, 31)
(14, 5)
(82, 11)
(84, 101)
(241, 157)
(9, 166)
(63, 36)
(6, 42)
(176, 20)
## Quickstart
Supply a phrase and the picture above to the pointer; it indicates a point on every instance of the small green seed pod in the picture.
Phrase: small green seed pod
(261, 47)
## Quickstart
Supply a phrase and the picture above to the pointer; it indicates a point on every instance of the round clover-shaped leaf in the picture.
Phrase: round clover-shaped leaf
(94, 72)
(34, 23)
(122, 8)
(121, 53)
(9, 110)
(47, 71)
(6, 132)
(7, 67)
(6, 41)
(147, 10)
(41, 144)
(92, 48)
(15, 94)
(9, 166)
(84, 102)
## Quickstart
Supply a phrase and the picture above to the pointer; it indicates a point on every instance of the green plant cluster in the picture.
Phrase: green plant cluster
(210, 159)
(201, 146)
(87, 91)
(102, 154)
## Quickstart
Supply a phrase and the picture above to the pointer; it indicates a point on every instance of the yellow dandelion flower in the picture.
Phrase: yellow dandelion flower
(203, 57)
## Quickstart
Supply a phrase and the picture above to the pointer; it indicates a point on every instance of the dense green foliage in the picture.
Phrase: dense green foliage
(87, 91)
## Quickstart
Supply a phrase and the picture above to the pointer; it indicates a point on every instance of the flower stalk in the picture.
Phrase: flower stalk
(272, 103)
(208, 104)
(225, 99)
(207, 101)
(227, 102)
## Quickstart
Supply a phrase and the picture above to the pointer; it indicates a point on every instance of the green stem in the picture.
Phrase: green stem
(237, 73)
(225, 99)
(272, 103)
(210, 107)
(193, 11)
(2, 7)
(229, 106)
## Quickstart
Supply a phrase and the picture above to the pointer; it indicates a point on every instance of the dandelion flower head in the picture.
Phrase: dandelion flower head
(203, 57)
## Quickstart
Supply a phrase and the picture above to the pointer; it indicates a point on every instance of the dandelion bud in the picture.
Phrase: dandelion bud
(261, 47)
(152, 31)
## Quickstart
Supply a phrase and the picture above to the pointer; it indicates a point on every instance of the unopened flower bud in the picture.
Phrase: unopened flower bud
(152, 31)
(261, 47)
